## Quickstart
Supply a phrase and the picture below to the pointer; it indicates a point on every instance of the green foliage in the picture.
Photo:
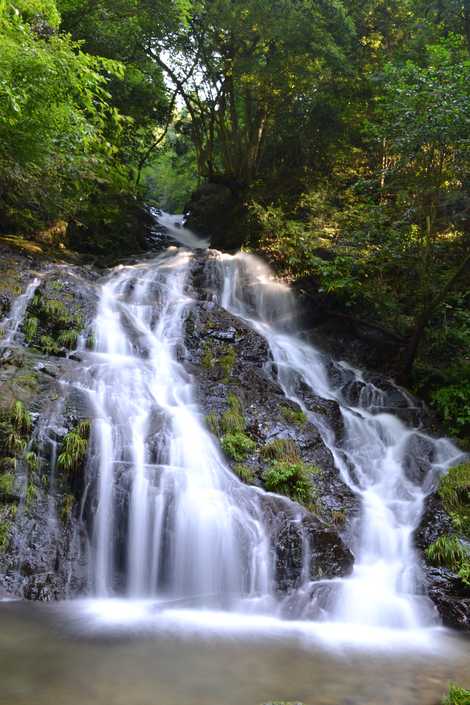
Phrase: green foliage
(54, 112)
(453, 404)
(284, 449)
(291, 479)
(30, 328)
(294, 416)
(52, 327)
(233, 420)
(5, 531)
(222, 359)
(68, 503)
(450, 552)
(208, 359)
(20, 417)
(244, 473)
(31, 495)
(457, 696)
(74, 448)
(227, 361)
(238, 445)
(7, 483)
(32, 461)
(212, 420)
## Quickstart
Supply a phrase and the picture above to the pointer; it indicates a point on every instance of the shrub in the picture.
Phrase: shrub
(244, 473)
(281, 449)
(290, 479)
(74, 447)
(294, 416)
(450, 552)
(232, 420)
(238, 445)
(7, 483)
(453, 403)
(457, 696)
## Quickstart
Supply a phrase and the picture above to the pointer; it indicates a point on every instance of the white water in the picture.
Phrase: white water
(171, 520)
(170, 516)
(384, 589)
(11, 323)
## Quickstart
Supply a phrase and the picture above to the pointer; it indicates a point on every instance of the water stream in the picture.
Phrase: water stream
(170, 518)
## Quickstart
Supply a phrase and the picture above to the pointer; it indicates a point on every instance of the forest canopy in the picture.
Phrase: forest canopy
(337, 132)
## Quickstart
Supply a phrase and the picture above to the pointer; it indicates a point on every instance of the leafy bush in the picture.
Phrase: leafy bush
(294, 416)
(281, 449)
(232, 420)
(238, 445)
(245, 473)
(74, 448)
(450, 552)
(453, 404)
(290, 479)
(457, 696)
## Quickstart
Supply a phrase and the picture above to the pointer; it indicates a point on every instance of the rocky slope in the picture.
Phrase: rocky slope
(44, 522)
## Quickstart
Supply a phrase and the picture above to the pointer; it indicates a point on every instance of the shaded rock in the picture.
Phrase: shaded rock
(217, 210)
(294, 536)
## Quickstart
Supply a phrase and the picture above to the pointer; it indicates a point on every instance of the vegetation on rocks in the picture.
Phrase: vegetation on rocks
(50, 326)
(74, 448)
(453, 550)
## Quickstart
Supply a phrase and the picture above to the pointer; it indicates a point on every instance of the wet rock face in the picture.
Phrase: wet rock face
(450, 595)
(213, 334)
(292, 535)
(43, 543)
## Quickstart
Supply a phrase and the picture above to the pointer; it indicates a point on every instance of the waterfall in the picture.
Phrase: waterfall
(385, 588)
(170, 517)
(12, 322)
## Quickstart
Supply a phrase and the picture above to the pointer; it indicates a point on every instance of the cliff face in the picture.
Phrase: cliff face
(46, 513)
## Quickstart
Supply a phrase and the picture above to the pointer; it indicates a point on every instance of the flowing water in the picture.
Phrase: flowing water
(385, 588)
(184, 545)
(193, 530)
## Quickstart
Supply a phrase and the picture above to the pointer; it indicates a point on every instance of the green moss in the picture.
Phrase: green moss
(233, 420)
(74, 448)
(208, 358)
(5, 529)
(223, 359)
(68, 503)
(7, 483)
(284, 449)
(244, 473)
(294, 416)
(212, 420)
(290, 479)
(31, 495)
(457, 696)
(227, 361)
(238, 445)
(30, 328)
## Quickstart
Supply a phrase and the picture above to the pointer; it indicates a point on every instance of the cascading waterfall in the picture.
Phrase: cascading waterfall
(169, 517)
(185, 526)
(385, 585)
